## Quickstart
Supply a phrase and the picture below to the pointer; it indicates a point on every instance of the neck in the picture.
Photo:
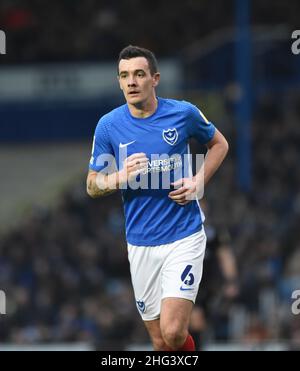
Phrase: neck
(143, 109)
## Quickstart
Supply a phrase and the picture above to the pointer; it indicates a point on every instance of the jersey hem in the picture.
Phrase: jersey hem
(158, 242)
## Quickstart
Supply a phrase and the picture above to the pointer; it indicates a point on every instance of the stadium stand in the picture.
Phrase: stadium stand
(63, 262)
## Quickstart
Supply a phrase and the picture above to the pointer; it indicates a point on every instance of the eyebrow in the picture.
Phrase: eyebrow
(135, 71)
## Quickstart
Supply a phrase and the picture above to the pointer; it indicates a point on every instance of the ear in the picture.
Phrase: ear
(155, 79)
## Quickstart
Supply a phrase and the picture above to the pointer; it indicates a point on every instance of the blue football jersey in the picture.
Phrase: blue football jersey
(151, 217)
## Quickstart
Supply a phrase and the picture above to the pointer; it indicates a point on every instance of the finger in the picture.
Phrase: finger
(138, 167)
(135, 162)
(178, 183)
(178, 191)
(182, 202)
(135, 173)
(178, 198)
(135, 156)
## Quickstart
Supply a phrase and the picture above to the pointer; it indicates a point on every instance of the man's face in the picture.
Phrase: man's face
(136, 80)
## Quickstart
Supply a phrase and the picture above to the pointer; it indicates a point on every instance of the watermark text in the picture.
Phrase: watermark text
(296, 303)
(159, 171)
(2, 42)
(296, 43)
(2, 302)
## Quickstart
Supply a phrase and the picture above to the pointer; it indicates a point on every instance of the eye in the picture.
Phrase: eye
(140, 74)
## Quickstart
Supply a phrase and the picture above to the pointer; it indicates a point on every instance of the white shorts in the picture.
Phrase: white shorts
(171, 270)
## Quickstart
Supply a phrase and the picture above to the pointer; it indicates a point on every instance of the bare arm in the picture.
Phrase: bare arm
(191, 188)
(217, 151)
(99, 184)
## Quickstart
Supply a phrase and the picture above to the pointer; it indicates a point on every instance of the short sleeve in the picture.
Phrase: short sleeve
(102, 150)
(198, 126)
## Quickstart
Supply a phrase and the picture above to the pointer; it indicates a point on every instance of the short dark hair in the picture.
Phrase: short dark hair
(135, 51)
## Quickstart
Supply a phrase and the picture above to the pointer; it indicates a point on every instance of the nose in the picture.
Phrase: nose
(131, 81)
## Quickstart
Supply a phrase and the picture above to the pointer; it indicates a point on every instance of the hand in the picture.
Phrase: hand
(133, 165)
(187, 191)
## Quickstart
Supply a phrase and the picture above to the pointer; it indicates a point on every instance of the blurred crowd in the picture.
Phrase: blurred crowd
(66, 273)
(263, 225)
(68, 30)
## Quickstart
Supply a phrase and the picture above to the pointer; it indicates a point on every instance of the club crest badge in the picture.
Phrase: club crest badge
(170, 136)
(141, 306)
